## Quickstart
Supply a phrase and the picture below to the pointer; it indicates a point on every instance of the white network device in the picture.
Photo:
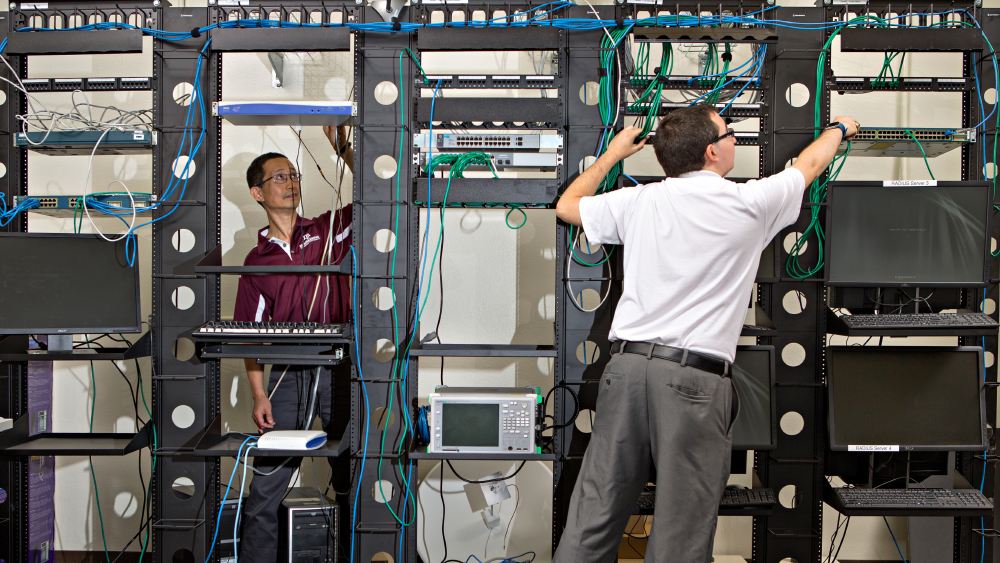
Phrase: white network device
(292, 440)
(285, 113)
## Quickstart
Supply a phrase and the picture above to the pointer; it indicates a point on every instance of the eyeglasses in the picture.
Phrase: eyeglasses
(282, 177)
(729, 133)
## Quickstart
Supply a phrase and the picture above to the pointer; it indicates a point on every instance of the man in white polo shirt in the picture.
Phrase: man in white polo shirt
(691, 247)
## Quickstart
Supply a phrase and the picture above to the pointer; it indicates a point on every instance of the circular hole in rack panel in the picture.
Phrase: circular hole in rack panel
(182, 556)
(385, 166)
(383, 298)
(126, 505)
(183, 349)
(383, 350)
(386, 92)
(788, 560)
(379, 419)
(990, 96)
(182, 488)
(989, 306)
(791, 239)
(382, 491)
(590, 93)
(584, 246)
(3, 170)
(183, 240)
(384, 240)
(587, 352)
(587, 162)
(182, 416)
(585, 421)
(3, 98)
(989, 358)
(990, 170)
(792, 423)
(787, 496)
(179, 167)
(589, 299)
(794, 302)
(184, 94)
(793, 354)
(797, 95)
(789, 163)
(993, 245)
(382, 557)
(182, 297)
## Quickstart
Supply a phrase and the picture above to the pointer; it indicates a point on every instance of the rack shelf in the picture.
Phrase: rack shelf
(212, 442)
(15, 349)
(18, 442)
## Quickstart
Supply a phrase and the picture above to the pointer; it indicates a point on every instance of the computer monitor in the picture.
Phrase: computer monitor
(906, 398)
(907, 236)
(755, 427)
(65, 284)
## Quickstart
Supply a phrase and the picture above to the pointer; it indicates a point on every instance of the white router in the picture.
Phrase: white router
(292, 440)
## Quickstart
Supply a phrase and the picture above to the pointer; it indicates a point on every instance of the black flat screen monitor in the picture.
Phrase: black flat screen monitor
(907, 236)
(66, 284)
(906, 398)
(755, 427)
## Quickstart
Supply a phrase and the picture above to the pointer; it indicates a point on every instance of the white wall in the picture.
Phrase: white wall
(499, 282)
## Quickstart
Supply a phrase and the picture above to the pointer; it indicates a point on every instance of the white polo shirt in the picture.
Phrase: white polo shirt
(692, 245)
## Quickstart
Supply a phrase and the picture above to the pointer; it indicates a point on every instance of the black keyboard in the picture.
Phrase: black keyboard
(919, 321)
(731, 498)
(271, 330)
(857, 501)
(738, 498)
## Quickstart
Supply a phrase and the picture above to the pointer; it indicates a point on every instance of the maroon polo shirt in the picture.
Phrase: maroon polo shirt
(286, 297)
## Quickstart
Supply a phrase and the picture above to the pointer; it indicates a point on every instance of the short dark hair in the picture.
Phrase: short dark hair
(255, 172)
(682, 137)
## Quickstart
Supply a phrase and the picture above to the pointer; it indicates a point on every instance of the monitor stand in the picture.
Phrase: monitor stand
(62, 344)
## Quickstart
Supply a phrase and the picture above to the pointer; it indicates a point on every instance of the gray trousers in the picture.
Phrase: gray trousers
(259, 537)
(678, 418)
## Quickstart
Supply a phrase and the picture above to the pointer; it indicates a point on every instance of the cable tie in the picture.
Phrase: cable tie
(619, 23)
(395, 24)
(602, 72)
(195, 33)
(661, 79)
(656, 70)
(727, 57)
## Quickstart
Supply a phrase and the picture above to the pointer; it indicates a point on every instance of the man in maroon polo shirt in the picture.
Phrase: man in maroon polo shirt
(290, 240)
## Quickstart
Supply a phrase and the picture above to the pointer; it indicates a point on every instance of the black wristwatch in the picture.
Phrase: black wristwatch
(841, 126)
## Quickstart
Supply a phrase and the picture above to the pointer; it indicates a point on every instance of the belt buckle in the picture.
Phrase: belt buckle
(652, 346)
(684, 358)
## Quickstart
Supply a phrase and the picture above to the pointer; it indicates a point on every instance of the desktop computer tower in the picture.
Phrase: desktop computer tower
(226, 545)
(308, 527)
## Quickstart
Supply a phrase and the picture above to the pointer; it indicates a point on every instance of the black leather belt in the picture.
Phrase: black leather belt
(679, 355)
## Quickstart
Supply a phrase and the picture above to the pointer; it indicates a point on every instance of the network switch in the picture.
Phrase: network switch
(903, 142)
(475, 140)
(83, 142)
(66, 205)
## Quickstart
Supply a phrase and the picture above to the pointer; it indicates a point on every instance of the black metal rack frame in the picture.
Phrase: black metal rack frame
(182, 527)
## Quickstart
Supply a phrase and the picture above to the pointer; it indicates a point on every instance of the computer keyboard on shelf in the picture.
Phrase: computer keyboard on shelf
(738, 498)
(919, 321)
(851, 500)
(275, 330)
(731, 498)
